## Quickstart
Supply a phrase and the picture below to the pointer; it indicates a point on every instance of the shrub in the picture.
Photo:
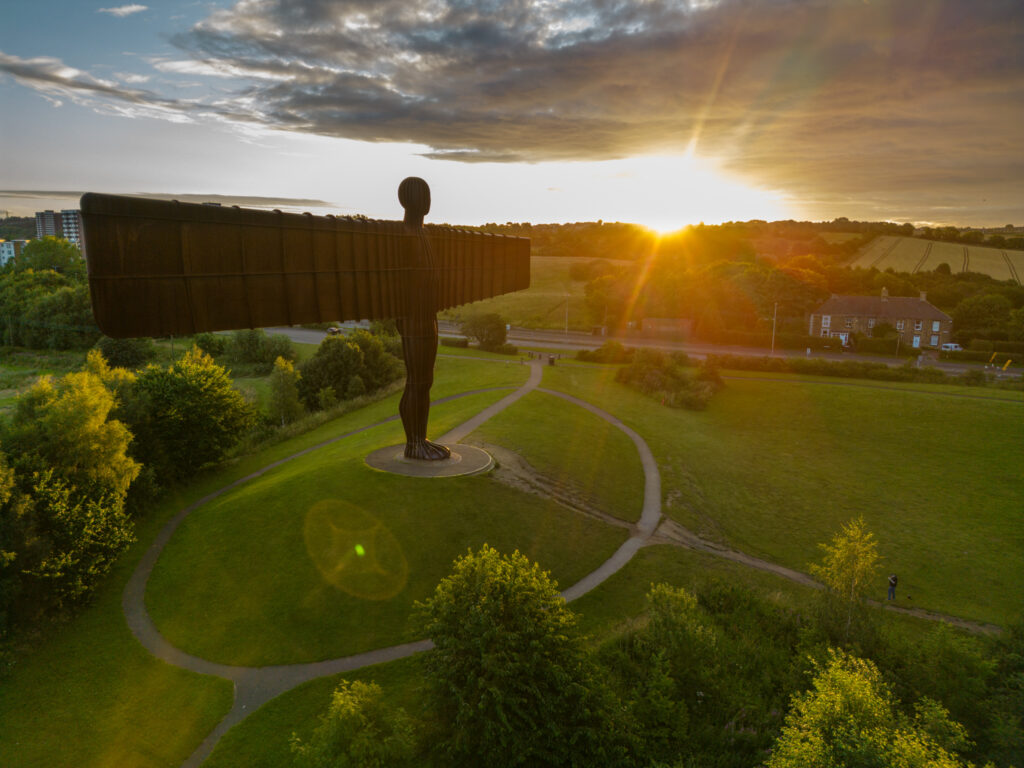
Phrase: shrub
(610, 352)
(455, 341)
(126, 353)
(211, 343)
(506, 349)
(488, 329)
(358, 730)
(187, 415)
(662, 376)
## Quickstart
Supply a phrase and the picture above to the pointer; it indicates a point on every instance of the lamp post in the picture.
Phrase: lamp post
(775, 316)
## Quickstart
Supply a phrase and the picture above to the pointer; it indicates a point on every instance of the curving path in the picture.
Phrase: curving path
(255, 686)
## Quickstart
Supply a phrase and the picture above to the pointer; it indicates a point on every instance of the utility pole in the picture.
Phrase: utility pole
(567, 314)
(775, 316)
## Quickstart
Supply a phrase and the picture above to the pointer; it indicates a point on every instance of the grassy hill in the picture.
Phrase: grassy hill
(773, 467)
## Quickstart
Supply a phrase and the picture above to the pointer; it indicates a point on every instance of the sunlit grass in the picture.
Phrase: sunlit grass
(775, 468)
(575, 448)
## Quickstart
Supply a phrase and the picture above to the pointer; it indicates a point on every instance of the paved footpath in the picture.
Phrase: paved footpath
(255, 686)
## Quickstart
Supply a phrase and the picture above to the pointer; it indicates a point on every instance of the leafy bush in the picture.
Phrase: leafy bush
(662, 376)
(126, 353)
(611, 352)
(186, 415)
(358, 730)
(339, 361)
(454, 341)
(512, 682)
(212, 344)
(488, 329)
(257, 348)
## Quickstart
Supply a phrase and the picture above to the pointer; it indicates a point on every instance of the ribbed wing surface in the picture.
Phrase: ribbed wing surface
(159, 268)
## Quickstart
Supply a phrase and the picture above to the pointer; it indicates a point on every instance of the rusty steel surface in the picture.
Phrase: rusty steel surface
(159, 268)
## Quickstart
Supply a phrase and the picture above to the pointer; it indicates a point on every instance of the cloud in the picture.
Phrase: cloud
(124, 10)
(883, 99)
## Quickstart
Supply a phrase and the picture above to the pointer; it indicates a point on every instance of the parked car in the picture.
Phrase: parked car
(951, 348)
(333, 330)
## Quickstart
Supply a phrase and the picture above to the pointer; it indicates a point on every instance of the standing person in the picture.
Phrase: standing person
(892, 586)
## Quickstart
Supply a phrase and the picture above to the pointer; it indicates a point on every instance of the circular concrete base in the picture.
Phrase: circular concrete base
(465, 460)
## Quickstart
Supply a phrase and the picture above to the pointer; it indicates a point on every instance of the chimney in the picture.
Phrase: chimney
(885, 294)
(924, 296)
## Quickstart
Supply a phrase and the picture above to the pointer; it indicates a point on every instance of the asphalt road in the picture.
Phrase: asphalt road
(575, 340)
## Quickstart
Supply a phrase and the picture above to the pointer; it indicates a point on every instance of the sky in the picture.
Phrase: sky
(659, 112)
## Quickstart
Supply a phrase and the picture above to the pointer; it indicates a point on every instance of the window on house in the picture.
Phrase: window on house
(871, 322)
(826, 321)
(900, 324)
(918, 324)
(935, 326)
(824, 333)
(849, 322)
(935, 340)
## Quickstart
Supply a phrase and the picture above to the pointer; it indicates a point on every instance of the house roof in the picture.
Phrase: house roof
(896, 307)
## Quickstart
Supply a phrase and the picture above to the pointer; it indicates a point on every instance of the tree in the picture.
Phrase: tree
(512, 680)
(981, 312)
(850, 565)
(488, 329)
(379, 367)
(188, 414)
(359, 730)
(333, 364)
(849, 719)
(125, 353)
(64, 427)
(51, 253)
(285, 405)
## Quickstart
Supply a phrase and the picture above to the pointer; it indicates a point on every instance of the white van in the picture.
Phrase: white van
(951, 348)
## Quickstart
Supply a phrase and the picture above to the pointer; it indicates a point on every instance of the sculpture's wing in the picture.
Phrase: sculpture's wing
(477, 265)
(159, 268)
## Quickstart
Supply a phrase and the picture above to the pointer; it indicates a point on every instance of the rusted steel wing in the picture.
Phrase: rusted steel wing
(159, 268)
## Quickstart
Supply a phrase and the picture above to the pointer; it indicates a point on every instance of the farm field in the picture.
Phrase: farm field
(912, 254)
(542, 305)
(773, 468)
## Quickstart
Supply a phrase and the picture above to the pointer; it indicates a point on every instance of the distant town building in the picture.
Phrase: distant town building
(10, 249)
(919, 323)
(66, 224)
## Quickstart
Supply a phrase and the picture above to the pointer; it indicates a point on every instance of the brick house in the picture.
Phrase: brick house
(919, 323)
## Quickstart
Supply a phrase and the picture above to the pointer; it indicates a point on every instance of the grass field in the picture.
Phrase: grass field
(250, 559)
(912, 254)
(773, 468)
(542, 305)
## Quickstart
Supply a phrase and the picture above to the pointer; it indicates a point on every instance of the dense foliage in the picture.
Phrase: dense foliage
(489, 330)
(511, 680)
(62, 495)
(666, 378)
(358, 730)
(344, 367)
(717, 676)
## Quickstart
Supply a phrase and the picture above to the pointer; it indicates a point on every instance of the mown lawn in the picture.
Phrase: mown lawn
(89, 695)
(774, 468)
(575, 448)
(261, 559)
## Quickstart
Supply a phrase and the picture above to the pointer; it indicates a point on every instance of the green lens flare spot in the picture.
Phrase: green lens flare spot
(359, 550)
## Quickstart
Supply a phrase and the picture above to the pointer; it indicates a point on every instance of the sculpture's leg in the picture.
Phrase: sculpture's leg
(419, 348)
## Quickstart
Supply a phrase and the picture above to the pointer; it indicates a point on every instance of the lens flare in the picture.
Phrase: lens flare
(353, 551)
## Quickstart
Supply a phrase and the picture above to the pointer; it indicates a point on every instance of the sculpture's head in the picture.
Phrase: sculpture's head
(414, 195)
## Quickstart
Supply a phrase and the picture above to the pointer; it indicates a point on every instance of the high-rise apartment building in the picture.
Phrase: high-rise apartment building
(66, 224)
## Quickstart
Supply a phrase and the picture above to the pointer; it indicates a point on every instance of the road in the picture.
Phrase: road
(575, 340)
